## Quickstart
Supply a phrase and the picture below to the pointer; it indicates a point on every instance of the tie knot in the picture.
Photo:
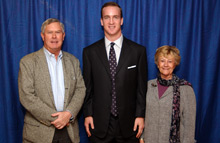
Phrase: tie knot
(112, 44)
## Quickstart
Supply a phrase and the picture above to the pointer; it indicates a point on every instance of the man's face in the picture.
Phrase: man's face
(111, 21)
(53, 37)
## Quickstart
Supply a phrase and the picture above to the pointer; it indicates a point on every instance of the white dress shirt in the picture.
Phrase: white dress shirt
(117, 47)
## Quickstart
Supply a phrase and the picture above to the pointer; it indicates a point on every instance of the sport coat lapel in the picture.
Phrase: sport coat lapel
(45, 73)
(67, 77)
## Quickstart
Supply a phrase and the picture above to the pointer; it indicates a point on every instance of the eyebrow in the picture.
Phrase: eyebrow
(55, 30)
(111, 15)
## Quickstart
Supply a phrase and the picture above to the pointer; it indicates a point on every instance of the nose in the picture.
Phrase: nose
(111, 20)
(54, 35)
(166, 63)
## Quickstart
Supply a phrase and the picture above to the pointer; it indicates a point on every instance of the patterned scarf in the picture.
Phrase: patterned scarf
(175, 122)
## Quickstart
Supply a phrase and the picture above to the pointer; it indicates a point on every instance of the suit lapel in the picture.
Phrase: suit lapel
(101, 52)
(124, 55)
(45, 73)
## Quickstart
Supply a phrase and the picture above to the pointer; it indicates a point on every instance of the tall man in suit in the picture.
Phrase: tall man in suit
(115, 74)
(51, 89)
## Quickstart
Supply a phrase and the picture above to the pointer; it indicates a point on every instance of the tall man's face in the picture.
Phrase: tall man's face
(53, 37)
(111, 21)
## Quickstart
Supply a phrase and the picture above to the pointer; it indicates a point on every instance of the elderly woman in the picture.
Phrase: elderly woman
(171, 104)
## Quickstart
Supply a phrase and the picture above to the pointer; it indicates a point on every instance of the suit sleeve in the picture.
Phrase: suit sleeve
(87, 74)
(142, 84)
(79, 93)
(189, 115)
(27, 93)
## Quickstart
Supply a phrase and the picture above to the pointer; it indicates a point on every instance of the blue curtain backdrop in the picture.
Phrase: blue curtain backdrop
(191, 25)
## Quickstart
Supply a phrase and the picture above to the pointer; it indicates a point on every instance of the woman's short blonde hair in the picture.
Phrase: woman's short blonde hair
(165, 51)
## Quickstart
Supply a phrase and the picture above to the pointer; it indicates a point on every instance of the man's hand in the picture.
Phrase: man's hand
(88, 121)
(139, 122)
(62, 119)
(141, 141)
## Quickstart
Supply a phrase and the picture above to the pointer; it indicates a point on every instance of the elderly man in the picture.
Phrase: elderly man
(51, 89)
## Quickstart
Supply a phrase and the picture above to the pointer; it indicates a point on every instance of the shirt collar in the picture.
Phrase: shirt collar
(117, 42)
(49, 54)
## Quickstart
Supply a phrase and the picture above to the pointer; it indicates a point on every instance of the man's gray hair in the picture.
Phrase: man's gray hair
(49, 21)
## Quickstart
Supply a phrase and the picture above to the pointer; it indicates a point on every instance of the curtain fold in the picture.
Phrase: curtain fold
(192, 26)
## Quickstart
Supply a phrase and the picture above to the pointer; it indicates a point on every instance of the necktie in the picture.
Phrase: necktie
(113, 65)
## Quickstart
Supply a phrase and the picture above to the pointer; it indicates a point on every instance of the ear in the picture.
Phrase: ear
(122, 20)
(101, 21)
(64, 35)
(42, 36)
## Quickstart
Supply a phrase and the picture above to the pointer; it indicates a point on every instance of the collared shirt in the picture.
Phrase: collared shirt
(117, 47)
(57, 78)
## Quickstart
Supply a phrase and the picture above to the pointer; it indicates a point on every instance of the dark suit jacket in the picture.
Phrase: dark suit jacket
(36, 96)
(131, 85)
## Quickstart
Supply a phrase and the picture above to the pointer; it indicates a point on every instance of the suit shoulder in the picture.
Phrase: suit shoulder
(133, 44)
(94, 45)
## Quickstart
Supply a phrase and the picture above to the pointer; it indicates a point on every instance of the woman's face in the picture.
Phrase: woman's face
(166, 65)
